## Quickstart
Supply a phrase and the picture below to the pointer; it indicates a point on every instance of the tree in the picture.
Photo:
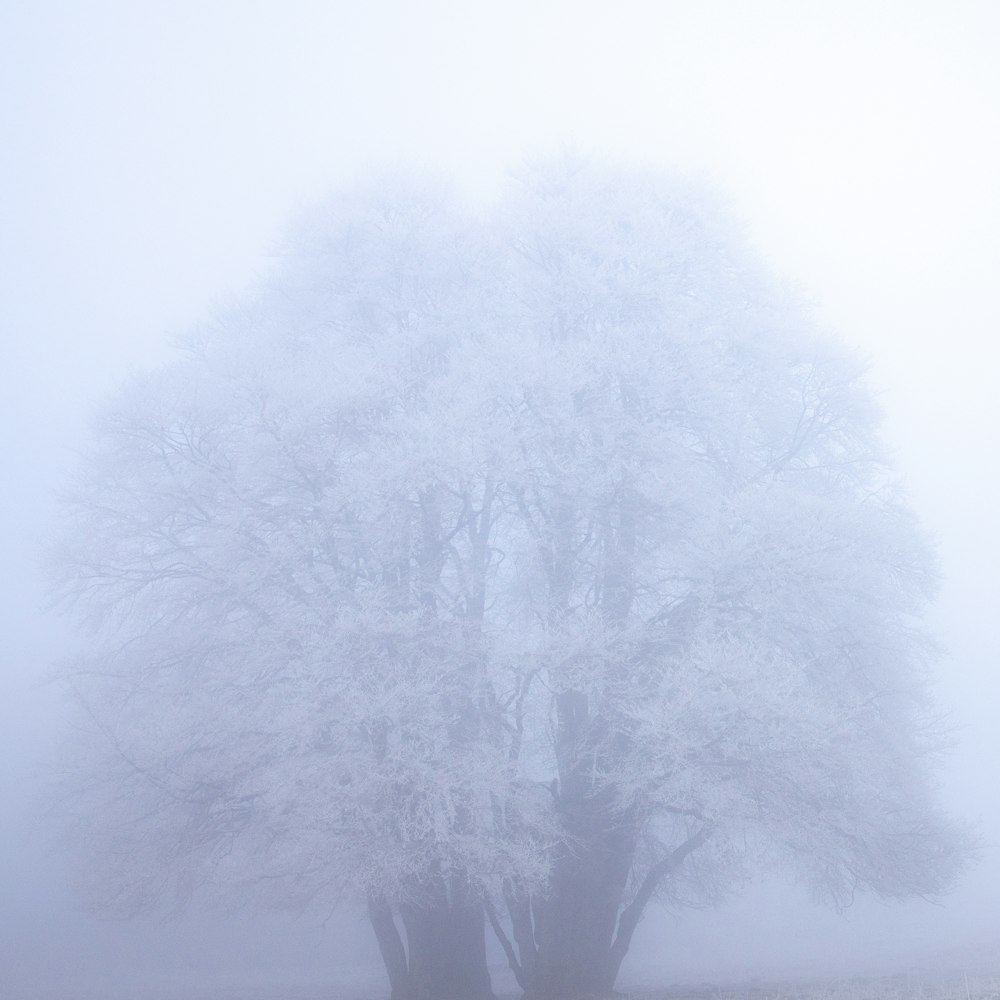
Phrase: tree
(539, 563)
(278, 700)
(727, 587)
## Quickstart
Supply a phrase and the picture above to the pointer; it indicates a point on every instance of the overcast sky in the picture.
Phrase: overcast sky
(150, 153)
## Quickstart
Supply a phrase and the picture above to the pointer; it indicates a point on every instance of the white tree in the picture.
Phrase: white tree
(548, 560)
(724, 584)
(284, 569)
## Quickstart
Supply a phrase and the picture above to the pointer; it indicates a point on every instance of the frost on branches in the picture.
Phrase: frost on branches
(506, 570)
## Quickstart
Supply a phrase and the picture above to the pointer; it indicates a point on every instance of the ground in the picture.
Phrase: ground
(899, 987)
(970, 974)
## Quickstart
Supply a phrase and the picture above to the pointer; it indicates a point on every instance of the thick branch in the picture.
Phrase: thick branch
(505, 943)
(390, 945)
(519, 908)
(630, 916)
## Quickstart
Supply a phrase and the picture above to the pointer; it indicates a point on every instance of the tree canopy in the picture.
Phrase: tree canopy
(513, 565)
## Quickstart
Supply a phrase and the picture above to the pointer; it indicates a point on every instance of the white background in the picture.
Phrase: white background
(150, 153)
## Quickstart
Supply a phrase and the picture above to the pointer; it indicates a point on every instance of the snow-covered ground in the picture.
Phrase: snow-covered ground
(967, 974)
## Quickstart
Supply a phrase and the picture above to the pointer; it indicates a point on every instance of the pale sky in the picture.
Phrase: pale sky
(151, 153)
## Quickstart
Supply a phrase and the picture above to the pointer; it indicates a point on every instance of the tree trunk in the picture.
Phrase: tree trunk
(630, 916)
(575, 923)
(390, 945)
(445, 953)
(582, 938)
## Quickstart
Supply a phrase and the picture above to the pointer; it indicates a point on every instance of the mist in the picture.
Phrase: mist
(154, 158)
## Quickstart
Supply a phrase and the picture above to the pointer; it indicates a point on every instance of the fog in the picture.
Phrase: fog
(152, 156)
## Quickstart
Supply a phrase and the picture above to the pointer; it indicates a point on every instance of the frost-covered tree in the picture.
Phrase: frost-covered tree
(519, 568)
(720, 584)
(281, 551)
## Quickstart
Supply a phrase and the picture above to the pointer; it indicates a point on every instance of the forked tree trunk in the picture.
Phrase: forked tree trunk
(444, 957)
(572, 943)
(447, 953)
(390, 946)
(575, 924)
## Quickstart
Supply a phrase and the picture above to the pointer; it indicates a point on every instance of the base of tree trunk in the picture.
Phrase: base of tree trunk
(575, 925)
(447, 952)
